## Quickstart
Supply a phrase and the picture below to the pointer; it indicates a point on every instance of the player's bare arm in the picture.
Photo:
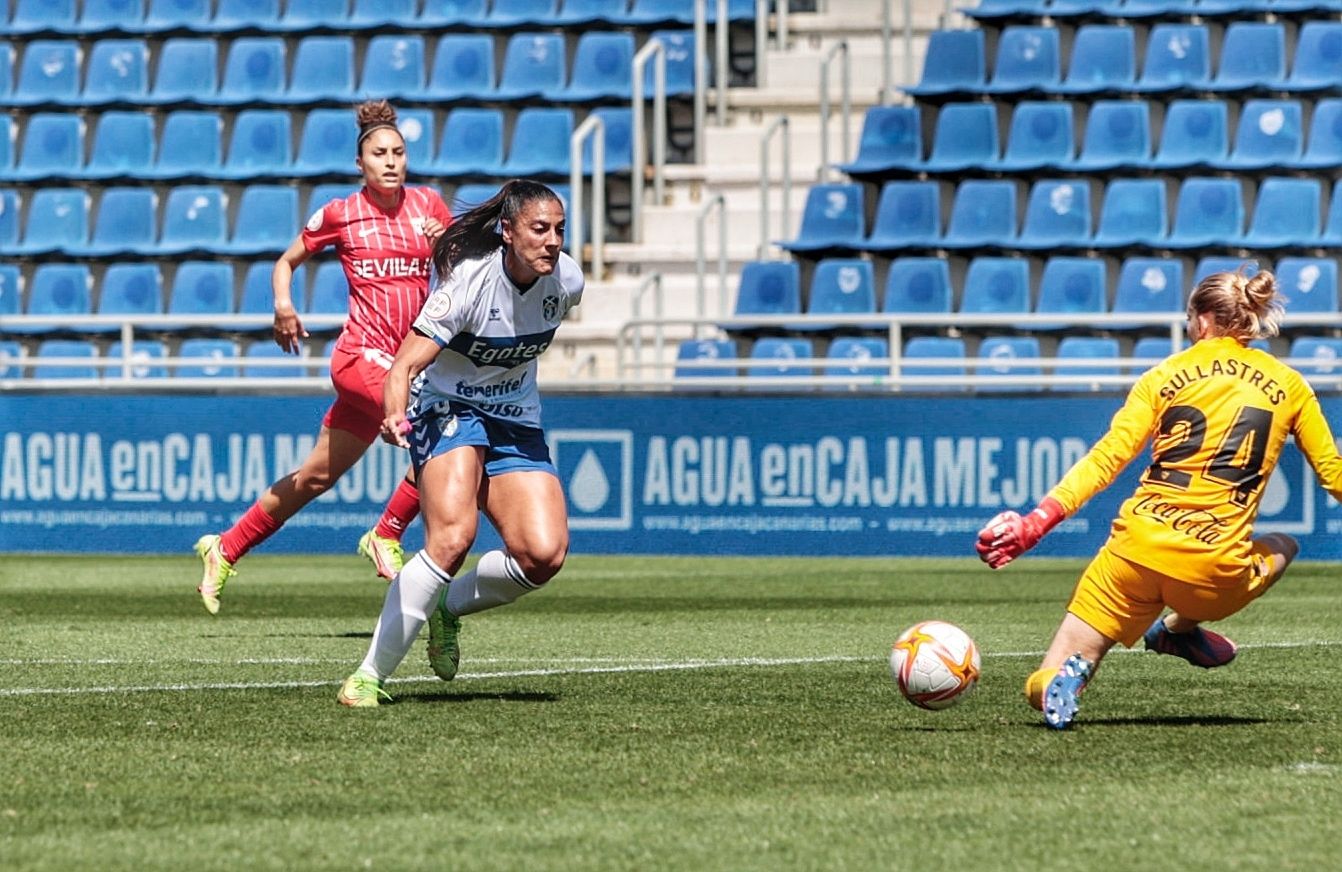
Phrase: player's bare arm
(288, 329)
(415, 353)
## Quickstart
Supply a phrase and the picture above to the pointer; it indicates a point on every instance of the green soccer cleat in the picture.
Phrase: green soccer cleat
(362, 691)
(217, 572)
(386, 554)
(444, 649)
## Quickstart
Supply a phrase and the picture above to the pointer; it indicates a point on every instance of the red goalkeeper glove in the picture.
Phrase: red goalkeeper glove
(1008, 535)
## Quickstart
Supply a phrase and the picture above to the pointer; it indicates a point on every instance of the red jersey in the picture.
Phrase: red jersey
(386, 259)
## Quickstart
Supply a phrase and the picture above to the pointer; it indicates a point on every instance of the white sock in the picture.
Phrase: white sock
(495, 580)
(410, 597)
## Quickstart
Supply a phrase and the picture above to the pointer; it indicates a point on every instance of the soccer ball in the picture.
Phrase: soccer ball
(934, 664)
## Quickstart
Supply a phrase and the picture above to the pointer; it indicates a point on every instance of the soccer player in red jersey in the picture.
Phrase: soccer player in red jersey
(384, 234)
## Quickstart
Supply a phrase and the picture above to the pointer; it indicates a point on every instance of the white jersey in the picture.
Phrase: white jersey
(491, 334)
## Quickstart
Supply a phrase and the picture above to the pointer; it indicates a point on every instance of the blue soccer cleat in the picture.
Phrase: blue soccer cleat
(1198, 646)
(1062, 696)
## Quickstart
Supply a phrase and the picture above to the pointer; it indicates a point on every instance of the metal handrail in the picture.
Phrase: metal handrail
(653, 49)
(592, 126)
(653, 283)
(719, 202)
(766, 182)
(840, 47)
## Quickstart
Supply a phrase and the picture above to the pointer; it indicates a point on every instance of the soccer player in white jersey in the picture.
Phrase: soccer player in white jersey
(384, 234)
(472, 424)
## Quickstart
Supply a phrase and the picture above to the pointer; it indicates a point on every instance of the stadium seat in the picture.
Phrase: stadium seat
(767, 287)
(591, 12)
(1309, 284)
(329, 292)
(674, 11)
(53, 145)
(781, 354)
(438, 14)
(126, 221)
(12, 359)
(602, 69)
(1057, 215)
(965, 136)
(9, 218)
(1316, 355)
(908, 216)
(189, 146)
(1318, 51)
(320, 195)
(216, 351)
(103, 16)
(1003, 11)
(37, 16)
(1208, 211)
(11, 289)
(996, 356)
(955, 63)
(679, 47)
(187, 71)
(1269, 133)
(891, 137)
(267, 220)
(468, 196)
(1086, 348)
(471, 144)
(1215, 263)
(851, 356)
(945, 348)
(1195, 134)
(692, 355)
(832, 221)
(117, 71)
(1287, 213)
(1324, 145)
(463, 66)
(261, 360)
(617, 128)
(253, 71)
(58, 219)
(57, 291)
(1178, 58)
(416, 125)
(1252, 56)
(1103, 60)
(129, 289)
(6, 146)
(1151, 350)
(235, 15)
(1117, 136)
(983, 215)
(1041, 135)
(1072, 286)
(201, 287)
(840, 286)
(123, 146)
(369, 14)
(1133, 212)
(194, 219)
(918, 286)
(259, 299)
(517, 13)
(540, 142)
(65, 348)
(1332, 224)
(533, 64)
(259, 144)
(323, 69)
(1027, 60)
(305, 15)
(393, 66)
(48, 73)
(1148, 286)
(329, 143)
(996, 286)
(169, 15)
(143, 353)
(6, 70)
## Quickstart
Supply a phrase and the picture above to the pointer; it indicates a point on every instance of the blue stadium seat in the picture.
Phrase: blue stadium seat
(12, 359)
(329, 292)
(602, 69)
(323, 194)
(472, 143)
(693, 354)
(918, 285)
(676, 11)
(37, 16)
(443, 13)
(267, 220)
(1178, 58)
(6, 70)
(851, 356)
(6, 146)
(189, 146)
(48, 73)
(1269, 133)
(1287, 213)
(832, 220)
(187, 71)
(1118, 135)
(540, 142)
(1071, 286)
(1057, 215)
(235, 15)
(129, 289)
(194, 219)
(463, 66)
(781, 354)
(9, 218)
(996, 358)
(983, 215)
(215, 351)
(516, 13)
(840, 286)
(65, 348)
(323, 69)
(1316, 355)
(259, 144)
(1028, 59)
(123, 145)
(53, 145)
(369, 14)
(1103, 60)
(253, 71)
(679, 47)
(1324, 146)
(260, 352)
(117, 71)
(417, 127)
(1253, 56)
(908, 215)
(891, 138)
(1332, 224)
(143, 354)
(259, 299)
(201, 287)
(59, 291)
(1309, 284)
(11, 289)
(1208, 211)
(126, 221)
(617, 132)
(1215, 263)
(946, 348)
(1148, 285)
(592, 11)
(1195, 134)
(768, 287)
(1041, 135)
(1086, 348)
(996, 286)
(1151, 350)
(101, 16)
(533, 64)
(328, 143)
(468, 196)
(997, 12)
(955, 63)
(965, 136)
(168, 15)
(1318, 51)
(393, 66)
(1134, 212)
(305, 15)
(58, 219)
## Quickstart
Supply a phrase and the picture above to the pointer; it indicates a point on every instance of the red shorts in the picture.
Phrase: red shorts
(358, 378)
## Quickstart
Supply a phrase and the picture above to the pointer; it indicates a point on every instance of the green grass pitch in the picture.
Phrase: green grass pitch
(645, 713)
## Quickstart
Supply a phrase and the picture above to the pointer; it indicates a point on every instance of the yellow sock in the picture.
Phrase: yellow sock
(1035, 686)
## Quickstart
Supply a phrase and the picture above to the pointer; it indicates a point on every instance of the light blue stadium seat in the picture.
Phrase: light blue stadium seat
(444, 13)
(679, 48)
(996, 12)
(1086, 348)
(463, 66)
(201, 287)
(1269, 133)
(123, 145)
(417, 128)
(143, 354)
(983, 215)
(194, 219)
(1151, 350)
(1028, 59)
(518, 13)
(259, 299)
(129, 289)
(12, 359)
(1309, 284)
(100, 16)
(126, 221)
(6, 70)
(533, 64)
(691, 355)
(602, 69)
(677, 11)
(323, 194)
(6, 146)
(370, 14)
(955, 63)
(116, 71)
(304, 15)
(996, 286)
(1177, 58)
(768, 287)
(393, 66)
(592, 11)
(329, 292)
(1324, 145)
(851, 356)
(472, 142)
(1208, 211)
(53, 145)
(946, 348)
(997, 356)
(1134, 212)
(253, 71)
(259, 144)
(267, 220)
(259, 352)
(1287, 213)
(965, 136)
(328, 143)
(781, 353)
(908, 215)
(166, 15)
(840, 286)
(1118, 135)
(1071, 286)
(48, 73)
(1318, 52)
(1148, 285)
(9, 218)
(323, 69)
(540, 142)
(1215, 263)
(187, 70)
(1332, 224)
(1253, 55)
(1103, 60)
(617, 140)
(235, 15)
(189, 145)
(1041, 135)
(57, 290)
(833, 220)
(58, 348)
(472, 195)
(1195, 133)
(11, 289)
(36, 16)
(58, 219)
(213, 353)
(891, 138)
(1322, 353)
(918, 285)
(1057, 215)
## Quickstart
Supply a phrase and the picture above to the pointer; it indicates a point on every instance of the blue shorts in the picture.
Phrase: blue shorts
(508, 447)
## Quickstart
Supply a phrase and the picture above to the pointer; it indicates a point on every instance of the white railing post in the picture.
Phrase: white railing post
(653, 49)
(719, 202)
(700, 78)
(591, 126)
(780, 123)
(653, 283)
(840, 47)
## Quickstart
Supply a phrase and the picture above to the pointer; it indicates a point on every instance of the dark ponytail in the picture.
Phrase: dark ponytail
(474, 233)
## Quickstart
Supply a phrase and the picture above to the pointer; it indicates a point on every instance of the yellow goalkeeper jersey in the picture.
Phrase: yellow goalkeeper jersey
(1218, 415)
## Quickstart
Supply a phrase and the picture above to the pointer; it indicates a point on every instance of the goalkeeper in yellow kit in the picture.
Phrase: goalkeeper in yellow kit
(1217, 415)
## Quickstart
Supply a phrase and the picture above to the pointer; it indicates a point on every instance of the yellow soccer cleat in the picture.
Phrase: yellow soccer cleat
(217, 572)
(386, 554)
(362, 691)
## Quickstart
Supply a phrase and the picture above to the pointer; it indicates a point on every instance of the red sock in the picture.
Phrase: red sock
(400, 511)
(253, 528)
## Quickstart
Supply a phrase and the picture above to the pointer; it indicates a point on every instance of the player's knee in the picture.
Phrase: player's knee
(448, 547)
(1284, 546)
(542, 562)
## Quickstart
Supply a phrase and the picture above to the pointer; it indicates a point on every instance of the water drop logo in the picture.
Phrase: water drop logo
(589, 488)
(596, 468)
